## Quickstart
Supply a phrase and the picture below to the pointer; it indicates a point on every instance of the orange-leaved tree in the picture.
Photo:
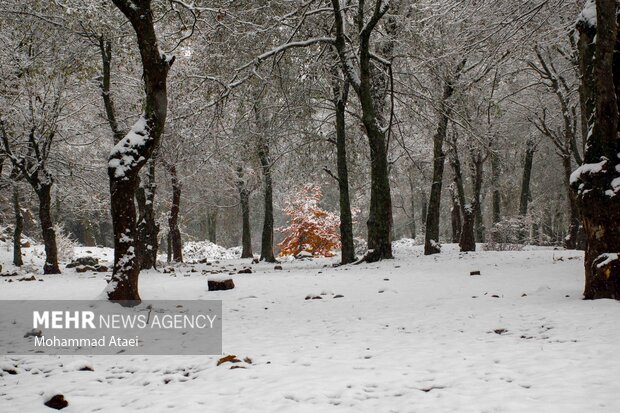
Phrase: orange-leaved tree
(312, 229)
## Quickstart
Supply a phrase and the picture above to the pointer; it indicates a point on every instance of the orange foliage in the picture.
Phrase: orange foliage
(312, 229)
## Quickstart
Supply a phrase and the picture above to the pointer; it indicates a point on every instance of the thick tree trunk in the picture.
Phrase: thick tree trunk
(130, 154)
(19, 227)
(175, 243)
(431, 238)
(467, 242)
(596, 194)
(380, 216)
(47, 230)
(346, 220)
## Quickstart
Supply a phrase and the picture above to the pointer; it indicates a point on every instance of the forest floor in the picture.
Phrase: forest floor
(413, 334)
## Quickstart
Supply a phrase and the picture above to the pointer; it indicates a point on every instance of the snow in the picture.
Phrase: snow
(124, 155)
(587, 169)
(413, 334)
(606, 259)
(588, 14)
(198, 250)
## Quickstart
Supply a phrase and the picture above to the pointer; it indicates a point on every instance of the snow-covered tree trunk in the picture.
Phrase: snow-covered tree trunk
(597, 182)
(130, 154)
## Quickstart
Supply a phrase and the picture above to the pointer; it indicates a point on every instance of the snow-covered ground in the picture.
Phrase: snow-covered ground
(414, 334)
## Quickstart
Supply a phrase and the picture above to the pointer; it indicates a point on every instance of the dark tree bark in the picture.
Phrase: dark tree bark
(477, 171)
(19, 227)
(530, 150)
(47, 229)
(467, 241)
(133, 151)
(455, 214)
(175, 243)
(597, 197)
(347, 249)
(266, 247)
(244, 200)
(147, 229)
(431, 238)
(380, 215)
(105, 47)
(496, 198)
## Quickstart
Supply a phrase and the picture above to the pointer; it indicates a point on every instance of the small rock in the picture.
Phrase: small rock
(255, 261)
(338, 296)
(31, 278)
(101, 268)
(523, 295)
(500, 331)
(57, 402)
(317, 297)
(245, 271)
(278, 267)
(9, 371)
(495, 296)
(219, 285)
(86, 261)
(474, 273)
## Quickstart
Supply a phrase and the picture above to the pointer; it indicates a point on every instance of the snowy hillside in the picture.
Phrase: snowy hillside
(414, 334)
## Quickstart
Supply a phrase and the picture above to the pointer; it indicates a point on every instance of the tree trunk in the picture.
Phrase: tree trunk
(266, 248)
(130, 154)
(19, 227)
(477, 174)
(347, 248)
(455, 213)
(495, 173)
(380, 215)
(530, 149)
(570, 242)
(244, 200)
(47, 230)
(467, 242)
(431, 238)
(593, 183)
(246, 235)
(175, 243)
(148, 230)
